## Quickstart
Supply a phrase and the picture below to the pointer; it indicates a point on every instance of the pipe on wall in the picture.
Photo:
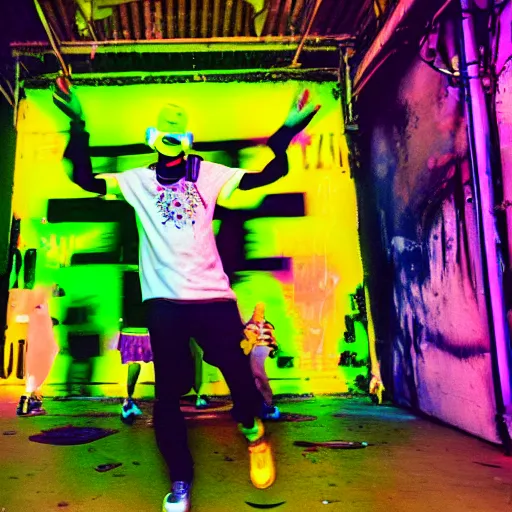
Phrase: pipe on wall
(373, 59)
(502, 106)
(400, 12)
(479, 134)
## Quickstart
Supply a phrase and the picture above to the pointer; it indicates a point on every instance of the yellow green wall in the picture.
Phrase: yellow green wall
(307, 305)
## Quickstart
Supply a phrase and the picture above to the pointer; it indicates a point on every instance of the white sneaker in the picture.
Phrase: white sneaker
(178, 500)
(129, 411)
(271, 413)
(202, 402)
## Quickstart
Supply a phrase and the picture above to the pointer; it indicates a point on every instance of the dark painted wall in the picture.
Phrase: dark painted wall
(8, 138)
(19, 23)
(420, 244)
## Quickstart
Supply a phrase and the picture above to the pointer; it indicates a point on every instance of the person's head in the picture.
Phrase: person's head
(170, 137)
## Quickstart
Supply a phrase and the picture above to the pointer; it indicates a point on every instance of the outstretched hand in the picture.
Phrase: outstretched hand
(301, 112)
(66, 100)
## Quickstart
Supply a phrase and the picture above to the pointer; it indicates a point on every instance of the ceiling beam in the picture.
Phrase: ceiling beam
(171, 77)
(189, 45)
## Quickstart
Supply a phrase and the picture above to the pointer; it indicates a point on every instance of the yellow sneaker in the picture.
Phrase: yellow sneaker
(263, 470)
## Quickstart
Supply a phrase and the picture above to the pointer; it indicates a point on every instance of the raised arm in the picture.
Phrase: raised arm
(77, 150)
(300, 115)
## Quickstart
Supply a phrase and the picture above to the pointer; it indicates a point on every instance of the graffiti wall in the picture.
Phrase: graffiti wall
(421, 244)
(292, 245)
(503, 110)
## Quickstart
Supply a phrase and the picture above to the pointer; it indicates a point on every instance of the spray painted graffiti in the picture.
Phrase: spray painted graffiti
(424, 205)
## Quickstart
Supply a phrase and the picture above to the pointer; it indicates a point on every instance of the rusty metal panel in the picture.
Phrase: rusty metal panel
(157, 19)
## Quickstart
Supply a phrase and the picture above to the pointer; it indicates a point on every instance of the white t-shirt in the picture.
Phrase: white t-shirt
(178, 256)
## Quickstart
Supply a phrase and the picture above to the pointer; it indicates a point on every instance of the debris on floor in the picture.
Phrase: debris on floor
(286, 416)
(487, 464)
(103, 468)
(337, 445)
(70, 435)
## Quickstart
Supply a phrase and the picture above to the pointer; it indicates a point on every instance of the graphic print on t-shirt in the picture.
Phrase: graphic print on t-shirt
(178, 203)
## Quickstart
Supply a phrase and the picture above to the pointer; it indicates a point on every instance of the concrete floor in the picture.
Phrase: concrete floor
(411, 465)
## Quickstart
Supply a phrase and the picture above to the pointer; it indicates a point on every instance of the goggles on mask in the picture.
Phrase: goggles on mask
(169, 143)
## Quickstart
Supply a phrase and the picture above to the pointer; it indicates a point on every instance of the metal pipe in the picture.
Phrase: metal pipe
(388, 30)
(228, 11)
(362, 83)
(134, 11)
(238, 17)
(53, 22)
(6, 96)
(116, 24)
(204, 18)
(64, 20)
(480, 141)
(182, 18)
(349, 107)
(359, 81)
(159, 33)
(283, 24)
(193, 18)
(306, 34)
(148, 21)
(502, 113)
(216, 18)
(50, 37)
(381, 41)
(297, 12)
(125, 24)
(169, 19)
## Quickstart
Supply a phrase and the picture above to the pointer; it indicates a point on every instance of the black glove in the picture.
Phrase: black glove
(300, 115)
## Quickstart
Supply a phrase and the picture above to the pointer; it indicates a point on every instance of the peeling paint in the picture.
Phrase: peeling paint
(418, 158)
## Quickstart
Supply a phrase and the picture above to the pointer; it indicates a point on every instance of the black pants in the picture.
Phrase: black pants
(218, 330)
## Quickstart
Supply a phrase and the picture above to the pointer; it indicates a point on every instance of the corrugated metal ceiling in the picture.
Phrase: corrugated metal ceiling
(102, 20)
(92, 38)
